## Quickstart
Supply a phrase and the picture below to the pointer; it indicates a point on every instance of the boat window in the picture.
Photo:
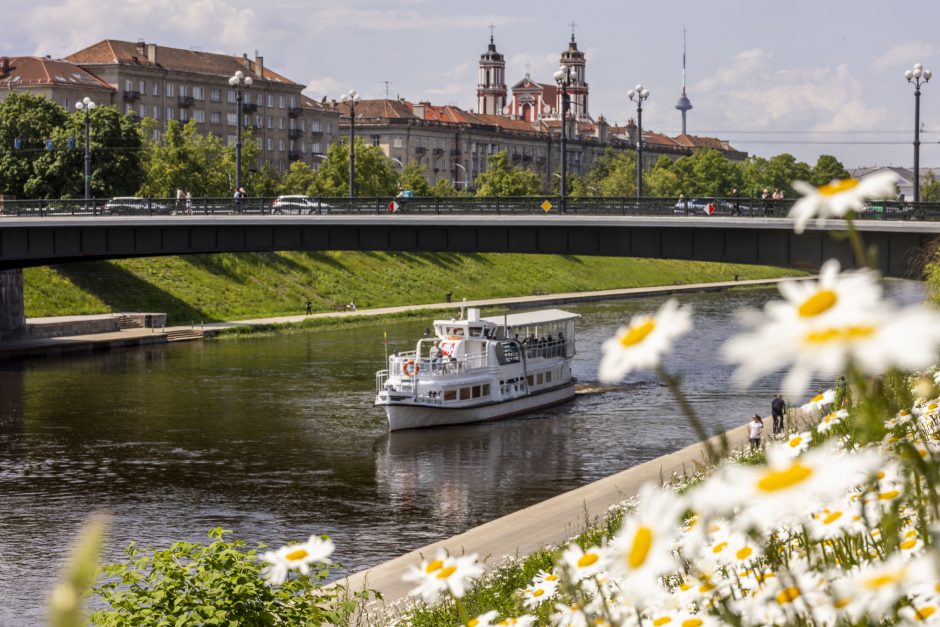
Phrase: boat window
(476, 391)
(539, 379)
(548, 376)
(530, 380)
(475, 331)
(486, 389)
(464, 394)
(450, 394)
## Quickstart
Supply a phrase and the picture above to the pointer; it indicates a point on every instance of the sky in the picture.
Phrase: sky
(804, 77)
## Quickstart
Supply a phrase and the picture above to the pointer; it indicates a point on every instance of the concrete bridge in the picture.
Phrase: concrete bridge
(24, 242)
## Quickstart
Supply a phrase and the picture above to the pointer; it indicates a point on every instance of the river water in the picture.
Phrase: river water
(276, 438)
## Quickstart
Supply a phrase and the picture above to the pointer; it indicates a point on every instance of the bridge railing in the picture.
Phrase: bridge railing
(497, 206)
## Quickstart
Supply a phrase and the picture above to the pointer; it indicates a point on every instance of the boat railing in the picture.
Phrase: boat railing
(380, 378)
(545, 348)
(406, 366)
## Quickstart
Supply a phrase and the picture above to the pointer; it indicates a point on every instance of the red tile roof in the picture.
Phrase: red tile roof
(116, 52)
(39, 71)
(382, 109)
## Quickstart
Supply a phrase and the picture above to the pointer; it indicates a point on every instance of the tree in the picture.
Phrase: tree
(613, 174)
(709, 173)
(930, 188)
(374, 173)
(115, 157)
(298, 179)
(264, 181)
(661, 180)
(445, 188)
(500, 179)
(826, 170)
(31, 120)
(414, 177)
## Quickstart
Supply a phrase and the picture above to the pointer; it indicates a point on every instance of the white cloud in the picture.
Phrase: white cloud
(406, 19)
(326, 86)
(903, 56)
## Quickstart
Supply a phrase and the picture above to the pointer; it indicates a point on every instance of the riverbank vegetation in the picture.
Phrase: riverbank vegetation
(236, 286)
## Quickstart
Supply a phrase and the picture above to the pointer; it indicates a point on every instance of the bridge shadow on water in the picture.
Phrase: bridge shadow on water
(123, 291)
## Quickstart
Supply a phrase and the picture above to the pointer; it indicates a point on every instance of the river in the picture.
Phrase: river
(276, 438)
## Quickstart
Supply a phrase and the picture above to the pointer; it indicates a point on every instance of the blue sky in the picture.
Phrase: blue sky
(799, 76)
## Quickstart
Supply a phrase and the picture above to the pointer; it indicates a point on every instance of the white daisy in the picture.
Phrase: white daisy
(882, 584)
(642, 343)
(582, 563)
(484, 620)
(796, 443)
(443, 574)
(830, 420)
(921, 611)
(570, 616)
(820, 401)
(836, 520)
(538, 593)
(298, 557)
(522, 621)
(836, 199)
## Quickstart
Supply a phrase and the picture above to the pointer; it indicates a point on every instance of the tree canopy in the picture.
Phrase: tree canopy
(374, 172)
(501, 179)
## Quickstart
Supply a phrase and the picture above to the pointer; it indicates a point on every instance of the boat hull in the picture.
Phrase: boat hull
(416, 415)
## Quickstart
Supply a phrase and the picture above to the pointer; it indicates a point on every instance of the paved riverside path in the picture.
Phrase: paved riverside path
(550, 522)
(512, 301)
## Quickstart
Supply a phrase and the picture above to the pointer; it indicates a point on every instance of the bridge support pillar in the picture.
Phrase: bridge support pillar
(12, 310)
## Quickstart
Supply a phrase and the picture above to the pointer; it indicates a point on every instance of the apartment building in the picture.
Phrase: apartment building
(54, 79)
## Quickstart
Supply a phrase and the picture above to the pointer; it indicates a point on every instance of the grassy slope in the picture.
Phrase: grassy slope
(236, 286)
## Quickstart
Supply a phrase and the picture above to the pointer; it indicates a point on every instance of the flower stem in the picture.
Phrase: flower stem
(858, 246)
(673, 383)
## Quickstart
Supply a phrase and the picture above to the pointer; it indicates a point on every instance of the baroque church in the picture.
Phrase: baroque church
(532, 101)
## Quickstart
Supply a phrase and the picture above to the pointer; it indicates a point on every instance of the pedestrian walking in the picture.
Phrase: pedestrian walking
(309, 307)
(189, 202)
(777, 409)
(180, 197)
(754, 429)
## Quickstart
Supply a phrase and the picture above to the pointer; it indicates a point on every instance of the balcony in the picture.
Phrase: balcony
(438, 152)
(540, 160)
(130, 94)
(420, 150)
(316, 132)
(295, 133)
(295, 112)
(186, 102)
(516, 157)
(526, 157)
(454, 152)
(249, 107)
(294, 155)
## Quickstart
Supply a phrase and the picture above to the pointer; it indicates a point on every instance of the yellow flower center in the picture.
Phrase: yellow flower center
(637, 333)
(837, 187)
(706, 587)
(435, 565)
(905, 412)
(796, 441)
(473, 622)
(890, 494)
(925, 612)
(642, 541)
(692, 622)
(831, 518)
(587, 559)
(447, 572)
(775, 480)
(788, 595)
(551, 577)
(818, 303)
(662, 620)
(842, 602)
(845, 334)
(719, 547)
(299, 554)
(538, 593)
(886, 579)
(908, 544)
(744, 553)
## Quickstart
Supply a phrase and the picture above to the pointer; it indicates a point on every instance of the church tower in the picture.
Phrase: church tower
(491, 88)
(684, 103)
(578, 91)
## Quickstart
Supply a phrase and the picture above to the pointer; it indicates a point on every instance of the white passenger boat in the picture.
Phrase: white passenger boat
(478, 369)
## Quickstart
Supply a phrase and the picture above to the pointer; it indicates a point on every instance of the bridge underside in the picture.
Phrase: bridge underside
(898, 253)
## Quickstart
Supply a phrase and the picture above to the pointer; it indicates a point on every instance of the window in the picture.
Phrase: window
(303, 125)
(293, 102)
(315, 148)
(450, 394)
(215, 95)
(198, 93)
(142, 87)
(259, 143)
(199, 115)
(231, 119)
(280, 145)
(156, 112)
(315, 126)
(280, 124)
(486, 389)
(280, 102)
(329, 127)
(548, 376)
(259, 121)
(539, 379)
(270, 122)
(530, 380)
(182, 90)
(169, 90)
(303, 147)
(128, 85)
(232, 140)
(156, 135)
(259, 99)
(397, 143)
(215, 117)
(476, 391)
(270, 144)
(184, 115)
(232, 96)
(376, 140)
(169, 113)
(270, 100)
(464, 394)
(156, 88)
(128, 108)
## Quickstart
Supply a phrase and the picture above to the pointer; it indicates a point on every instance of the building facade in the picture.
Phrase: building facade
(54, 79)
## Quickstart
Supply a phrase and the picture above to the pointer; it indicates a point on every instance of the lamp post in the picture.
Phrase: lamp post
(240, 82)
(352, 98)
(638, 94)
(917, 76)
(564, 77)
(86, 104)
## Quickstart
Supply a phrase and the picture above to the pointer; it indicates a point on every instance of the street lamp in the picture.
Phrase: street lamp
(86, 104)
(352, 98)
(240, 82)
(465, 177)
(638, 94)
(917, 76)
(564, 77)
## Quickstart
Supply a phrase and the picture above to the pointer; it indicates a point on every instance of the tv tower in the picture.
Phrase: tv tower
(684, 103)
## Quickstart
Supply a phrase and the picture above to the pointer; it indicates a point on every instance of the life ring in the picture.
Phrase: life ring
(411, 368)
(455, 338)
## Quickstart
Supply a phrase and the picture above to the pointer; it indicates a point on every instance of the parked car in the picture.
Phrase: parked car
(298, 203)
(703, 205)
(133, 205)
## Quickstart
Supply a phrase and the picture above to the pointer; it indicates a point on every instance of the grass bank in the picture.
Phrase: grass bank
(232, 286)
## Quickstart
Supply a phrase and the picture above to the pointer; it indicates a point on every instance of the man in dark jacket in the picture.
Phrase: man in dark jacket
(777, 407)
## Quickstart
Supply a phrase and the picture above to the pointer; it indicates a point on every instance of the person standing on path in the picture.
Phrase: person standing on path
(754, 429)
(309, 306)
(777, 408)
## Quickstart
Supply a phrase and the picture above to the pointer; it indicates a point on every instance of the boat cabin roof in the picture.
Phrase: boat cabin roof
(542, 316)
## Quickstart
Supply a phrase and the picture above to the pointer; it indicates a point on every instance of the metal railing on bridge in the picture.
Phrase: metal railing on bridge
(461, 205)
